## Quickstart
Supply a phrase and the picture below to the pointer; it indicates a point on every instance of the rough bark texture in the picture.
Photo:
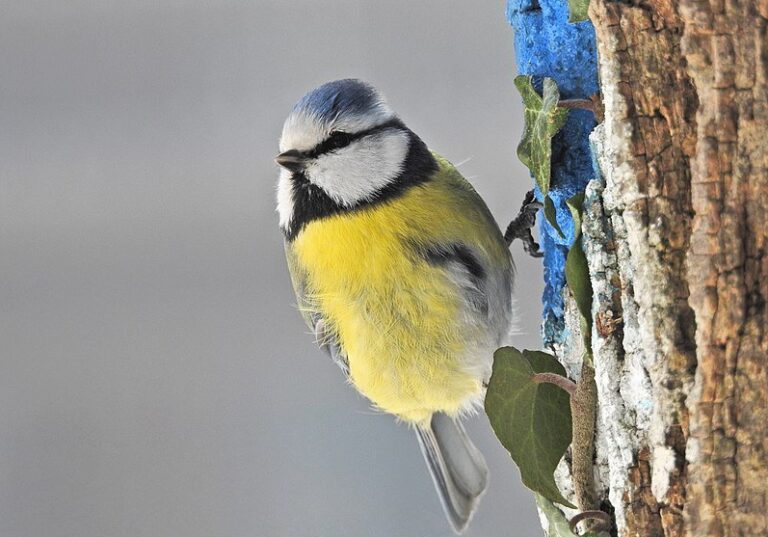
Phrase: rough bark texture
(676, 233)
(724, 43)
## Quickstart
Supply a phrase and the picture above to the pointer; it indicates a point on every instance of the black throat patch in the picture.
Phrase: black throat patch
(310, 202)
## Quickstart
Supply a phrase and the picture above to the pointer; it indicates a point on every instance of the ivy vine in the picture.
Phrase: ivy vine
(535, 410)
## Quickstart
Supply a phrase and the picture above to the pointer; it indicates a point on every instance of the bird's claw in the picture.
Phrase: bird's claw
(520, 227)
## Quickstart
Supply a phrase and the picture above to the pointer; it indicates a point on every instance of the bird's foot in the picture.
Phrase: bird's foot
(520, 227)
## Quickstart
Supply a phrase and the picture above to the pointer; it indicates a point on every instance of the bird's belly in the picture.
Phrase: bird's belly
(404, 342)
(401, 322)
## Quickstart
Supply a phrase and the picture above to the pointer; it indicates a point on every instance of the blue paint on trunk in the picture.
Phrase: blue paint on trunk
(547, 45)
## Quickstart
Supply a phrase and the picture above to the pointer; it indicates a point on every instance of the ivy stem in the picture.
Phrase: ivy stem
(594, 104)
(570, 104)
(601, 516)
(558, 380)
(584, 414)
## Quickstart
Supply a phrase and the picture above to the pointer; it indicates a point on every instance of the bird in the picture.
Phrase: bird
(400, 271)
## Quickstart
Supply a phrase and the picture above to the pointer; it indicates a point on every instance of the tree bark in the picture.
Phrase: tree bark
(676, 232)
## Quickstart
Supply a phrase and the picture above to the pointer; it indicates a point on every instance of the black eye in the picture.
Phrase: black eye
(338, 139)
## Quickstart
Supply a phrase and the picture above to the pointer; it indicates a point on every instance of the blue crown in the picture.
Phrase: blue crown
(348, 96)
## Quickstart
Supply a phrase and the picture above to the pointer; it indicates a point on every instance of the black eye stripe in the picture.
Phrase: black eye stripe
(310, 202)
(339, 139)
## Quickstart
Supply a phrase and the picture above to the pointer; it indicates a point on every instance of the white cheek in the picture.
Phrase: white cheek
(285, 198)
(357, 172)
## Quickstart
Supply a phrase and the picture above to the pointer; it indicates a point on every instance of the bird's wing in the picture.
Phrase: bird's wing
(477, 257)
(314, 319)
(466, 267)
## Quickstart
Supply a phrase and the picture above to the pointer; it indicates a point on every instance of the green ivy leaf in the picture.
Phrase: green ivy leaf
(576, 204)
(543, 119)
(579, 10)
(558, 524)
(531, 420)
(577, 272)
(577, 276)
(551, 214)
(576, 268)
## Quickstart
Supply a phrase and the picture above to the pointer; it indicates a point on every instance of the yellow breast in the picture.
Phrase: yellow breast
(397, 317)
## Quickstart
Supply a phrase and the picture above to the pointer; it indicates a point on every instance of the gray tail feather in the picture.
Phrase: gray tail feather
(457, 468)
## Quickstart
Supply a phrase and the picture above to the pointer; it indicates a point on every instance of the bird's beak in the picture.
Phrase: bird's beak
(292, 160)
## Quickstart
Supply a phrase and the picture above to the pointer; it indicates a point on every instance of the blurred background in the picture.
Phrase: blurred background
(156, 379)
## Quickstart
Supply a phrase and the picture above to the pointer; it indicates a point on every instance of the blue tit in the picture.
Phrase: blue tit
(400, 271)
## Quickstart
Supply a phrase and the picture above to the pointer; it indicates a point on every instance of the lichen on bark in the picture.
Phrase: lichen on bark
(676, 231)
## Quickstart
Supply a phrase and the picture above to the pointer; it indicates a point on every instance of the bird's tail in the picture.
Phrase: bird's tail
(457, 467)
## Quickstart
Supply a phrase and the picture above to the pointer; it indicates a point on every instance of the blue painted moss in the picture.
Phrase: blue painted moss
(547, 45)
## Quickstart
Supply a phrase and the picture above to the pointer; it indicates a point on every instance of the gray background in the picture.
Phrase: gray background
(156, 379)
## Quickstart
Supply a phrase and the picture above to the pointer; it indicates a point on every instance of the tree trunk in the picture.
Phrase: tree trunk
(676, 234)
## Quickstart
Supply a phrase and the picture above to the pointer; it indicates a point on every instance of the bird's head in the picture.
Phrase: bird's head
(342, 146)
